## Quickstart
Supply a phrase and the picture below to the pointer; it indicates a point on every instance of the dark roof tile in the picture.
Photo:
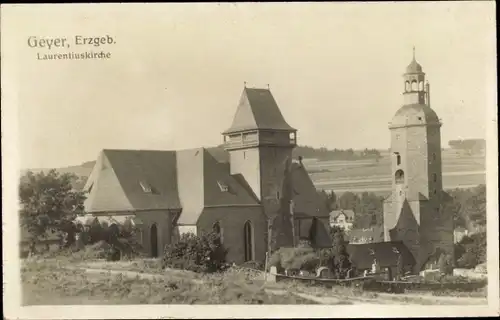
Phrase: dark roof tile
(258, 110)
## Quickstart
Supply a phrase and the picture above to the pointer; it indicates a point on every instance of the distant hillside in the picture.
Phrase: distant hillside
(322, 154)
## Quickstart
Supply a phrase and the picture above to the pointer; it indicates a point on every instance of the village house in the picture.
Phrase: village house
(235, 190)
(459, 233)
(342, 218)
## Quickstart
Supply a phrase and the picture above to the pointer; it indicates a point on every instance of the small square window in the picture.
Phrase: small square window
(145, 187)
(222, 186)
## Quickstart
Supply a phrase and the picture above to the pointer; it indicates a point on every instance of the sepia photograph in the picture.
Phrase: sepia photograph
(165, 160)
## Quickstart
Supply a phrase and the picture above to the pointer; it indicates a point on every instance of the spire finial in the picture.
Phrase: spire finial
(245, 84)
(413, 52)
(268, 86)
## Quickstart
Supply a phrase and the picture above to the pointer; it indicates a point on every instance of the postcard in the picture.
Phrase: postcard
(256, 160)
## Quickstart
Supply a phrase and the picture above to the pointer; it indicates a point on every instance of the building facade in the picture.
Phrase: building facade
(239, 189)
(342, 219)
(413, 213)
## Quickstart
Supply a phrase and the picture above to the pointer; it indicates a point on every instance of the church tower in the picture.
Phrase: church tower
(413, 213)
(260, 144)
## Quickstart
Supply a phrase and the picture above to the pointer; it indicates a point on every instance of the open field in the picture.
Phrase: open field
(369, 175)
(62, 281)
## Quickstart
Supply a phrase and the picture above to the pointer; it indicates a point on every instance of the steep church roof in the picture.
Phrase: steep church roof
(257, 109)
(191, 180)
(127, 180)
(130, 180)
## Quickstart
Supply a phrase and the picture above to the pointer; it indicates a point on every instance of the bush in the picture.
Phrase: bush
(295, 258)
(202, 253)
(121, 241)
(445, 264)
(257, 265)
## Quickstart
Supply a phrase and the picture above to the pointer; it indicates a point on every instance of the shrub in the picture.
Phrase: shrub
(257, 265)
(202, 253)
(295, 258)
(445, 264)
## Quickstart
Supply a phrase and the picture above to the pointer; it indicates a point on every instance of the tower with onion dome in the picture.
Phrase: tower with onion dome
(413, 212)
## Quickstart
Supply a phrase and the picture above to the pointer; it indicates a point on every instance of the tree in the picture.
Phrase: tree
(49, 204)
(399, 267)
(471, 250)
(341, 260)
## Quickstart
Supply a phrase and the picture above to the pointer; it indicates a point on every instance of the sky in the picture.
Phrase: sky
(177, 71)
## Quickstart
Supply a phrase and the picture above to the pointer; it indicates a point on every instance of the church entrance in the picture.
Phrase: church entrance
(249, 248)
(154, 241)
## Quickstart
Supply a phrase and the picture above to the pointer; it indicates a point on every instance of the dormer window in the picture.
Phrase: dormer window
(146, 187)
(222, 186)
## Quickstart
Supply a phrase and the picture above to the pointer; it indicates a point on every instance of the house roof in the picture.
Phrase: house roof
(257, 110)
(374, 232)
(336, 213)
(386, 253)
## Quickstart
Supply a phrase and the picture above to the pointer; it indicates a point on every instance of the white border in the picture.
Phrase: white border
(10, 178)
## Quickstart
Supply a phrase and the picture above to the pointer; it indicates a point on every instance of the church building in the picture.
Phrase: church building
(238, 190)
(413, 213)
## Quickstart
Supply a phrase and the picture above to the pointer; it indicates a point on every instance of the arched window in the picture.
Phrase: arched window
(414, 85)
(154, 240)
(218, 230)
(421, 86)
(407, 86)
(399, 177)
(398, 159)
(248, 241)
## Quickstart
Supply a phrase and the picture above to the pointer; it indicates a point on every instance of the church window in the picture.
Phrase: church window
(145, 187)
(434, 156)
(420, 118)
(435, 191)
(414, 85)
(407, 86)
(244, 154)
(398, 159)
(421, 86)
(434, 177)
(278, 195)
(399, 177)
(248, 241)
(222, 186)
(218, 230)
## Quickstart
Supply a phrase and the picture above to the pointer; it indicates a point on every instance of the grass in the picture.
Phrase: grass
(48, 282)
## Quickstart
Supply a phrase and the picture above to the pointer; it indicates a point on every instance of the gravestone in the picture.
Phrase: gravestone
(323, 273)
(271, 276)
